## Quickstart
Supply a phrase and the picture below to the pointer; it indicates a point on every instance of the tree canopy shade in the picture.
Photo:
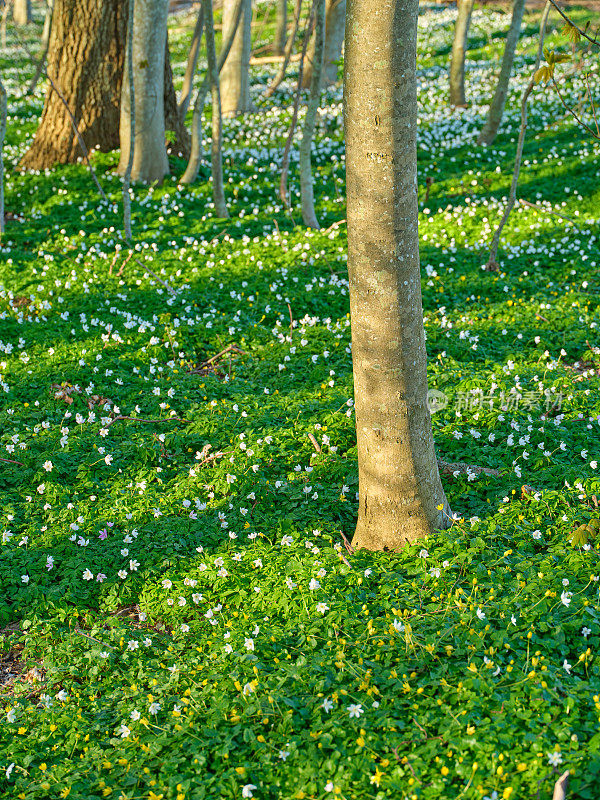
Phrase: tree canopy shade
(401, 496)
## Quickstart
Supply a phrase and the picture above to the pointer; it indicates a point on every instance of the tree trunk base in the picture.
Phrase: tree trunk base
(383, 526)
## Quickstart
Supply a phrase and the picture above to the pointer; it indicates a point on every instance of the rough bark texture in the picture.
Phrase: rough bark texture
(306, 178)
(22, 12)
(335, 20)
(459, 49)
(496, 110)
(85, 60)
(280, 27)
(235, 88)
(174, 118)
(401, 496)
(149, 36)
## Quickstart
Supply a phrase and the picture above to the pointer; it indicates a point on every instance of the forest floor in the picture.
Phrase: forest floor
(180, 614)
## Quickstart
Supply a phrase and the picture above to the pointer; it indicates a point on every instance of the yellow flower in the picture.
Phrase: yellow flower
(43, 766)
(444, 771)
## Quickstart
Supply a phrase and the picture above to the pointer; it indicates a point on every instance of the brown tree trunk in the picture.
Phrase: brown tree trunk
(179, 144)
(459, 49)
(22, 12)
(401, 498)
(85, 61)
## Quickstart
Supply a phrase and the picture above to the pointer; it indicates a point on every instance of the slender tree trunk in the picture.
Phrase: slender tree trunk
(22, 12)
(179, 136)
(287, 52)
(306, 177)
(3, 115)
(131, 86)
(45, 44)
(459, 49)
(213, 71)
(334, 38)
(150, 155)
(85, 61)
(235, 86)
(496, 109)
(512, 195)
(280, 27)
(401, 496)
(190, 69)
(191, 172)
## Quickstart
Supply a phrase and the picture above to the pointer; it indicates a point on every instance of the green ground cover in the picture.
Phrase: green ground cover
(180, 615)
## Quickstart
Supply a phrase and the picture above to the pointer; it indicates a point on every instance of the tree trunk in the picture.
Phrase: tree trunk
(22, 12)
(3, 116)
(280, 28)
(45, 44)
(401, 496)
(306, 178)
(190, 68)
(217, 135)
(149, 35)
(496, 110)
(459, 49)
(335, 21)
(85, 61)
(235, 88)
(179, 135)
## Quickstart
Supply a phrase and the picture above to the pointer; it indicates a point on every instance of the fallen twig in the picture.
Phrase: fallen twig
(315, 444)
(10, 461)
(92, 639)
(543, 210)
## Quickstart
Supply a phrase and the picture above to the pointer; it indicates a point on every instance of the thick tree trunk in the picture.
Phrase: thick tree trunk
(496, 109)
(149, 35)
(235, 85)
(190, 68)
(401, 496)
(280, 28)
(459, 49)
(85, 61)
(306, 178)
(335, 20)
(22, 12)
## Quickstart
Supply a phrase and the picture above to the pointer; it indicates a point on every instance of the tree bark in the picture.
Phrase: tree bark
(193, 167)
(85, 61)
(149, 35)
(179, 144)
(216, 154)
(496, 109)
(235, 85)
(306, 178)
(401, 498)
(459, 49)
(335, 21)
(280, 28)
(3, 116)
(190, 68)
(22, 12)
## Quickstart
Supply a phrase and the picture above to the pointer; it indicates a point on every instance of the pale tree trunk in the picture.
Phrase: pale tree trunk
(216, 154)
(3, 115)
(496, 109)
(335, 19)
(287, 53)
(45, 44)
(401, 498)
(306, 178)
(459, 49)
(22, 12)
(280, 27)
(512, 195)
(191, 172)
(235, 88)
(85, 62)
(150, 155)
(129, 77)
(190, 68)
